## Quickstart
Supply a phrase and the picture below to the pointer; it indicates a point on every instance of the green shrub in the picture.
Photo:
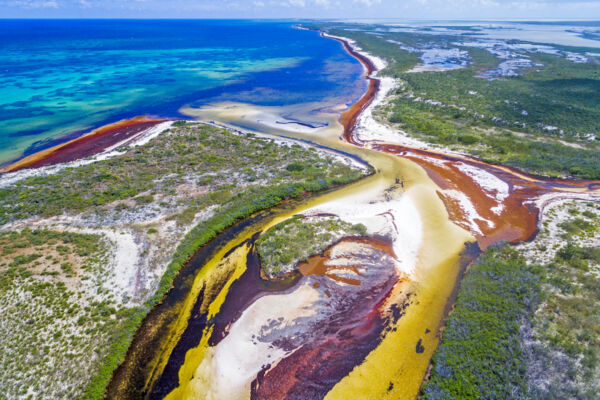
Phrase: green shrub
(295, 167)
(147, 199)
(297, 238)
(480, 355)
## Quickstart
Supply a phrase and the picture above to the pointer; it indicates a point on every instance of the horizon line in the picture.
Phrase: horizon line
(309, 19)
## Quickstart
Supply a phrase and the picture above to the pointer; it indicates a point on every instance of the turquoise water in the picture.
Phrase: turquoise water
(61, 78)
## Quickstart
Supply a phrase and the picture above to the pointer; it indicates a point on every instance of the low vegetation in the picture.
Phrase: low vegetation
(58, 314)
(285, 245)
(527, 331)
(529, 152)
(184, 162)
(544, 121)
(170, 197)
(481, 355)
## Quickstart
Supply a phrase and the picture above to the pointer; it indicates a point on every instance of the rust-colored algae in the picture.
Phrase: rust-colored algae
(377, 335)
(318, 264)
(511, 217)
(313, 369)
(519, 217)
(86, 145)
(349, 118)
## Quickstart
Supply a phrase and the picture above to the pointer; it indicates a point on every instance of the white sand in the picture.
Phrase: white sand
(397, 219)
(378, 63)
(146, 136)
(239, 357)
(546, 200)
(493, 186)
(270, 117)
(261, 122)
(124, 252)
(432, 68)
(124, 261)
(471, 214)
(299, 317)
(368, 129)
(138, 140)
(551, 233)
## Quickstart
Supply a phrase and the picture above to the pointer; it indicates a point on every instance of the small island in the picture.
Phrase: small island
(287, 244)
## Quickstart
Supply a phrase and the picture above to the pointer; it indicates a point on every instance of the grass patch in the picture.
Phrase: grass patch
(283, 246)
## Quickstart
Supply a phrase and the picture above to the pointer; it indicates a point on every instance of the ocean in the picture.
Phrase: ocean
(62, 78)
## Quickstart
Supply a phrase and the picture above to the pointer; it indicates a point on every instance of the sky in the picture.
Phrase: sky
(401, 9)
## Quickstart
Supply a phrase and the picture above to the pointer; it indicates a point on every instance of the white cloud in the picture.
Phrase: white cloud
(367, 3)
(31, 4)
(297, 3)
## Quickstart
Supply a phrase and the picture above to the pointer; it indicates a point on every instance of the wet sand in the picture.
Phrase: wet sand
(233, 336)
(350, 117)
(513, 218)
(519, 215)
(86, 145)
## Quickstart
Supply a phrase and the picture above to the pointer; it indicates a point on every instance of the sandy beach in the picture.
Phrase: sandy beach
(87, 145)
(493, 202)
(437, 210)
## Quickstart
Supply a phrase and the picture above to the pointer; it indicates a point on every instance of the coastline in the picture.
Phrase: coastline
(124, 132)
(87, 145)
(343, 157)
(350, 117)
(360, 126)
(9, 178)
(432, 162)
(509, 211)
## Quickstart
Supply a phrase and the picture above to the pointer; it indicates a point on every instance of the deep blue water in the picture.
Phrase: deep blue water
(65, 77)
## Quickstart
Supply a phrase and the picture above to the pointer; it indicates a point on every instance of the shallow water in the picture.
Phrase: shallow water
(564, 33)
(243, 340)
(224, 332)
(67, 77)
(404, 320)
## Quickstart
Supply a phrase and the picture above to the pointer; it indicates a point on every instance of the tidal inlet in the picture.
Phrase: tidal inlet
(249, 209)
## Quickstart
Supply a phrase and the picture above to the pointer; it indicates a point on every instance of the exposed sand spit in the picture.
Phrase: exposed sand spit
(362, 320)
(140, 138)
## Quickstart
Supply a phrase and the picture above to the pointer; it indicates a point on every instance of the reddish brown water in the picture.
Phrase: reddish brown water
(87, 145)
(317, 264)
(343, 340)
(363, 316)
(519, 217)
